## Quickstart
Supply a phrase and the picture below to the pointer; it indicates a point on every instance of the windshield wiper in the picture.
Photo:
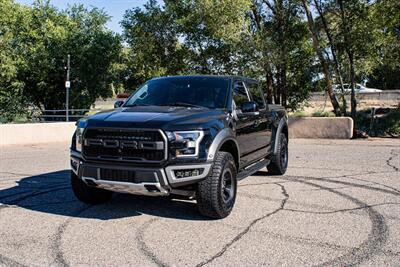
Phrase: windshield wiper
(183, 104)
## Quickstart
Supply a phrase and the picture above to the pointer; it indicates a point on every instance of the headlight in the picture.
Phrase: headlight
(79, 139)
(80, 127)
(185, 143)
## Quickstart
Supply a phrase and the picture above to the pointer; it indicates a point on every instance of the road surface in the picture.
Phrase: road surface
(338, 204)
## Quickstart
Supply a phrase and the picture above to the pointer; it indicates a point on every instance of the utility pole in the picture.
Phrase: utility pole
(67, 86)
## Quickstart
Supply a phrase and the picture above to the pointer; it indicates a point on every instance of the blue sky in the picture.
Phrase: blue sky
(114, 8)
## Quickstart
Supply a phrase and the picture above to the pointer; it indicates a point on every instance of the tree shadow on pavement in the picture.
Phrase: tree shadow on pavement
(51, 193)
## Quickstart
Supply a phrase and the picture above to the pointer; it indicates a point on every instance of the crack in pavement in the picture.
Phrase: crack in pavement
(388, 161)
(59, 260)
(329, 180)
(318, 243)
(10, 262)
(247, 229)
(343, 210)
(376, 238)
(142, 246)
(244, 185)
(376, 183)
(55, 246)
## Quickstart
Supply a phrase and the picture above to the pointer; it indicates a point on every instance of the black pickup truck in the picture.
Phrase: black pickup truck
(180, 136)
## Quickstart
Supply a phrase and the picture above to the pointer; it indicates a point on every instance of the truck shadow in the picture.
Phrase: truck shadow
(51, 193)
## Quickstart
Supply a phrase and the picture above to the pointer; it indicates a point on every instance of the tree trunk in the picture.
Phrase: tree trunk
(270, 89)
(333, 51)
(277, 91)
(283, 85)
(350, 54)
(267, 69)
(325, 69)
(352, 80)
(281, 72)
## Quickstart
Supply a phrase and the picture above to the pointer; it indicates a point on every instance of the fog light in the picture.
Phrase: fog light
(188, 173)
(74, 165)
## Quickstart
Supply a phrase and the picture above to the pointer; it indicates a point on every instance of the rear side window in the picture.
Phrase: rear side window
(239, 93)
(256, 93)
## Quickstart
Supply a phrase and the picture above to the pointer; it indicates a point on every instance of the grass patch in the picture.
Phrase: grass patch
(299, 114)
(323, 114)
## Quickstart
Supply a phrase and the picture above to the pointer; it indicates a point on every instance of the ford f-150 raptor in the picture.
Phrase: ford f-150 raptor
(183, 136)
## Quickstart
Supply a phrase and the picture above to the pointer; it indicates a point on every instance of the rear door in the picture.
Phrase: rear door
(261, 125)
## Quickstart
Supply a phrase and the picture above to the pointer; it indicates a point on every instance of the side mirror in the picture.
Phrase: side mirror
(250, 106)
(118, 103)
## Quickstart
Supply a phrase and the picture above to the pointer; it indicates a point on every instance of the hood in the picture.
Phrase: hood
(158, 117)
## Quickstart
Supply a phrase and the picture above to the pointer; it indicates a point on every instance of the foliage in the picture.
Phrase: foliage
(383, 125)
(10, 87)
(265, 39)
(154, 49)
(36, 43)
(385, 74)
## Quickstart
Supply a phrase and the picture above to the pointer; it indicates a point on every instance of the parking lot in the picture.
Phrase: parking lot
(338, 204)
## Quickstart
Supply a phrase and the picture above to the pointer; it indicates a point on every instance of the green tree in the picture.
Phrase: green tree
(35, 43)
(385, 74)
(11, 97)
(323, 62)
(51, 36)
(154, 49)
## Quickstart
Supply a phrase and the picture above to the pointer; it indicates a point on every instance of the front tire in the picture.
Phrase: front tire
(87, 194)
(279, 161)
(216, 194)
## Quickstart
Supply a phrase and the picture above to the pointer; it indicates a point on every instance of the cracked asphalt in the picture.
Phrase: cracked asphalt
(338, 205)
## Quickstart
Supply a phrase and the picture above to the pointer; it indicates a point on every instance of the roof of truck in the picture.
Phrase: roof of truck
(206, 75)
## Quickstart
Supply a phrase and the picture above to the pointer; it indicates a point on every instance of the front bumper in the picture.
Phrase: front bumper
(135, 180)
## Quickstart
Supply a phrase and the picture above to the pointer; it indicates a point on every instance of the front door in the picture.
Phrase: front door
(262, 125)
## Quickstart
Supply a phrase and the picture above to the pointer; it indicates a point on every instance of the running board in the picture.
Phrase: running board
(252, 169)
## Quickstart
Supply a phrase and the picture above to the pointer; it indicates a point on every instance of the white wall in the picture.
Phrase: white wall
(36, 133)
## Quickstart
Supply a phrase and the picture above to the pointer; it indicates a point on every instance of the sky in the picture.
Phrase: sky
(114, 8)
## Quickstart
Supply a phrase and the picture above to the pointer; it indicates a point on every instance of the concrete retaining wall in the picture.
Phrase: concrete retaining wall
(36, 133)
(392, 96)
(321, 128)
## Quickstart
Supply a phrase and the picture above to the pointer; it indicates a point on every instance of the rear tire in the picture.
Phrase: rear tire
(216, 194)
(87, 194)
(279, 161)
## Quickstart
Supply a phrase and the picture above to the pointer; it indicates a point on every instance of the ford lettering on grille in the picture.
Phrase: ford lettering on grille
(124, 145)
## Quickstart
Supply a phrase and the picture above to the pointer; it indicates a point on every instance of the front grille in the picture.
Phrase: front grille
(128, 176)
(119, 175)
(124, 145)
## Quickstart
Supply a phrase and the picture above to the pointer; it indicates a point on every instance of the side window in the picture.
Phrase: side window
(256, 93)
(239, 93)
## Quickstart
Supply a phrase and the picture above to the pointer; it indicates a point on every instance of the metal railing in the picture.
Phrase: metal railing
(59, 115)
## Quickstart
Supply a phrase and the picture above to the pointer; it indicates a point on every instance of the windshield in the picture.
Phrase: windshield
(208, 92)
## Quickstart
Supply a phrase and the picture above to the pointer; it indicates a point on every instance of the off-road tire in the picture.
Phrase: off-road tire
(279, 161)
(211, 194)
(87, 194)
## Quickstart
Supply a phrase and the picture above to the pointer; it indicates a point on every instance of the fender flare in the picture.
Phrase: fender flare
(226, 134)
(282, 123)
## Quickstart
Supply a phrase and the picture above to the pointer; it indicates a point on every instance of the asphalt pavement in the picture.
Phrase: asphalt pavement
(338, 205)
